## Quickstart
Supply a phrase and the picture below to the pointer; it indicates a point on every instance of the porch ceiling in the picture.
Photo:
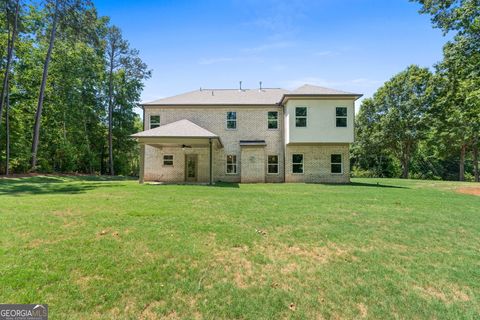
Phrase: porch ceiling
(181, 141)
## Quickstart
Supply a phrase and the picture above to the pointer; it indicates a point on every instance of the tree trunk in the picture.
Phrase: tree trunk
(38, 114)
(87, 141)
(475, 159)
(461, 173)
(110, 112)
(10, 46)
(7, 125)
(406, 168)
(406, 162)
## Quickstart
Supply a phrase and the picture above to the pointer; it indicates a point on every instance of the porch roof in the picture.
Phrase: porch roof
(178, 131)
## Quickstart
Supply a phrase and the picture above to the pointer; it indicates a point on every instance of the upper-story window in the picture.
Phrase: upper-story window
(300, 117)
(341, 116)
(272, 119)
(231, 120)
(154, 121)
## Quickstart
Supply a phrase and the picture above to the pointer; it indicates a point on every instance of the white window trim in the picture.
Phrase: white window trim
(278, 120)
(340, 163)
(303, 163)
(235, 164)
(336, 117)
(150, 120)
(168, 165)
(278, 165)
(306, 117)
(227, 120)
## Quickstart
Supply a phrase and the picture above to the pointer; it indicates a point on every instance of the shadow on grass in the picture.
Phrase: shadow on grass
(60, 178)
(196, 184)
(38, 185)
(225, 185)
(376, 185)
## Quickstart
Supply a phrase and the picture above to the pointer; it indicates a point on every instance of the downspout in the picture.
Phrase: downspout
(143, 110)
(283, 145)
(211, 161)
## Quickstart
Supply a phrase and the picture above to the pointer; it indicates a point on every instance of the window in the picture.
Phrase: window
(297, 163)
(341, 117)
(272, 119)
(300, 117)
(272, 164)
(336, 163)
(168, 160)
(154, 121)
(231, 120)
(231, 164)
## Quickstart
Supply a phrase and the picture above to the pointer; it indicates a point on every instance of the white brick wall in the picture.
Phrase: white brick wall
(316, 160)
(156, 171)
(251, 125)
(251, 161)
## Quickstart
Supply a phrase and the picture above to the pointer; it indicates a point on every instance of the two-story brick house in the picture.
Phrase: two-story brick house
(248, 135)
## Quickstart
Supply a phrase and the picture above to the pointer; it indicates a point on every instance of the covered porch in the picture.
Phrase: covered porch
(177, 152)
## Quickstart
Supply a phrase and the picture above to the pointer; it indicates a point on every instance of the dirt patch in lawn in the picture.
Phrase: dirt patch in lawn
(469, 190)
(317, 254)
(363, 310)
(149, 311)
(446, 295)
(273, 263)
(84, 281)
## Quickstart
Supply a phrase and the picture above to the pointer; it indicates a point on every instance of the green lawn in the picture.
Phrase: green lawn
(378, 248)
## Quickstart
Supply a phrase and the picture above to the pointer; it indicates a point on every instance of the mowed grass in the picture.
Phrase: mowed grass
(92, 248)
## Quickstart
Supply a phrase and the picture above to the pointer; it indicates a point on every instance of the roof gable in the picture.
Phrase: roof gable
(308, 89)
(237, 97)
(224, 97)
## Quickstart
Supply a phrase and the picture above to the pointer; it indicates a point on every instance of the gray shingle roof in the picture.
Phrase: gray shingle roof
(266, 96)
(182, 128)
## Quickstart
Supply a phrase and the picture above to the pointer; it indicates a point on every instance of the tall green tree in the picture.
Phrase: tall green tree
(462, 16)
(459, 74)
(402, 104)
(74, 115)
(10, 47)
(126, 73)
(38, 113)
(368, 151)
(458, 108)
(63, 12)
(117, 48)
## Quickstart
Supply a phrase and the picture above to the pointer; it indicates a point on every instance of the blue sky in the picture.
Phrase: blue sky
(353, 45)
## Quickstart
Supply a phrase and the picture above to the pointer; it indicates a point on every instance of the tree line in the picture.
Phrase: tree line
(70, 83)
(426, 124)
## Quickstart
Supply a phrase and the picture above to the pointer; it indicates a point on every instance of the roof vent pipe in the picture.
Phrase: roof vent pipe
(240, 85)
(260, 85)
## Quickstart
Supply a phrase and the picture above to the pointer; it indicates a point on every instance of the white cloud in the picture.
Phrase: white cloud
(326, 53)
(278, 16)
(209, 61)
(342, 84)
(269, 46)
(366, 82)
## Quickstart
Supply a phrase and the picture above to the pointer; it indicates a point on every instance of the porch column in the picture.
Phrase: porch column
(142, 163)
(211, 160)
